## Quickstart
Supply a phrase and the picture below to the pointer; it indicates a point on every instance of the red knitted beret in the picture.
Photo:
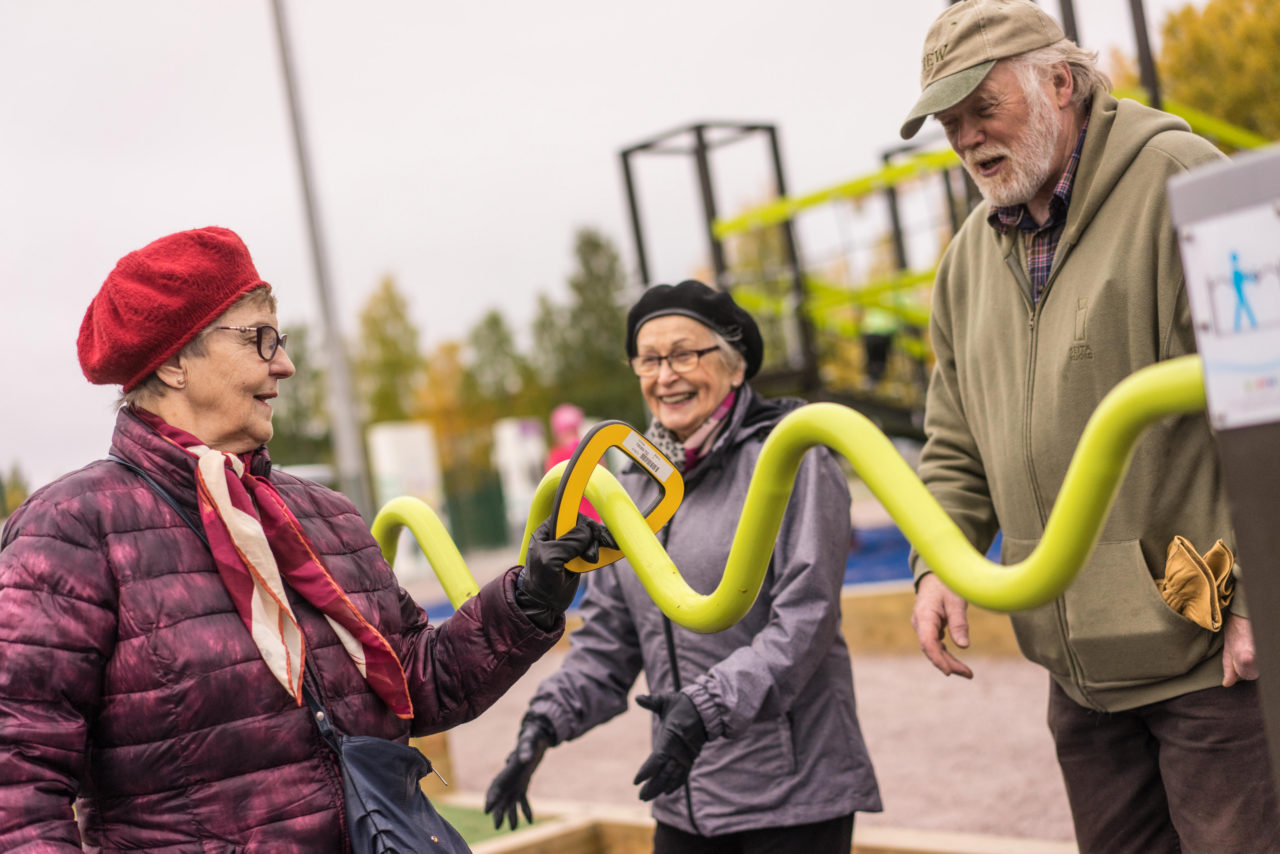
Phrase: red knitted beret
(157, 299)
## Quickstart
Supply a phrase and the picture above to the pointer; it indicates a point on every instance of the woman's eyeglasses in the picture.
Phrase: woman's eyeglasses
(269, 339)
(681, 361)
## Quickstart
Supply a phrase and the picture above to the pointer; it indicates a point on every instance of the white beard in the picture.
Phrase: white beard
(1029, 158)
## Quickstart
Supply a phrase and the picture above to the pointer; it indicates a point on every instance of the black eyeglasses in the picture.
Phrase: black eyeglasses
(681, 361)
(269, 339)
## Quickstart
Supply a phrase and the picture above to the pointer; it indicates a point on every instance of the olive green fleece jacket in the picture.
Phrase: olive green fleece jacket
(1015, 383)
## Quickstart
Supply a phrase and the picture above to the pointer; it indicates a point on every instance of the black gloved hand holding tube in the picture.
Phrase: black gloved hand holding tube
(511, 786)
(544, 588)
(680, 737)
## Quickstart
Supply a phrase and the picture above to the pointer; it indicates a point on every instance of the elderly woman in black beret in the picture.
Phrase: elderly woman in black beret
(163, 616)
(756, 743)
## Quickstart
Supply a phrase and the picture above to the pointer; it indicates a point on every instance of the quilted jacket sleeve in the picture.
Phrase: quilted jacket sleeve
(461, 667)
(57, 625)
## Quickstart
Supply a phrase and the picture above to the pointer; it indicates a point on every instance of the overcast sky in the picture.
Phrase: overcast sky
(456, 146)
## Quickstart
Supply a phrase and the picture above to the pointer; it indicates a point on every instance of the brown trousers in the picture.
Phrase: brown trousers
(1190, 775)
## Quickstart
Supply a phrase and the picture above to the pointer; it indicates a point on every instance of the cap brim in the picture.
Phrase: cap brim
(943, 94)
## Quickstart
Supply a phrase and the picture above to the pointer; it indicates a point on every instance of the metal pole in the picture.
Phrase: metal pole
(953, 214)
(708, 202)
(353, 476)
(637, 230)
(1146, 61)
(1069, 20)
(808, 346)
(895, 221)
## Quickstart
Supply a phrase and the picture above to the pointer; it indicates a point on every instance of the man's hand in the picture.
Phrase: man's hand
(679, 740)
(1239, 657)
(937, 609)
(511, 787)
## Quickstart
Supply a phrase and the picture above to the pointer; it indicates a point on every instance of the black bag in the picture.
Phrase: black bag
(387, 813)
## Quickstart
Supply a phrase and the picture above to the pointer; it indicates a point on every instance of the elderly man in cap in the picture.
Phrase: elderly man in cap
(1066, 281)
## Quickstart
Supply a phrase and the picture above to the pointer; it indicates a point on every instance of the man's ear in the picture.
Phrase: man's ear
(1064, 85)
(172, 373)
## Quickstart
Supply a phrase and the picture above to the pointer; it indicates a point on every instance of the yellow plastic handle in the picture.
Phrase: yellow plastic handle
(1174, 387)
(573, 483)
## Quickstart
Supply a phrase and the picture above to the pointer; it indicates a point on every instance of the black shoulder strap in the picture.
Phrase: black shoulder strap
(163, 493)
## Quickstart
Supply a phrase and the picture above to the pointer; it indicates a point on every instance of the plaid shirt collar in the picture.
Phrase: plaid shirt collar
(1017, 216)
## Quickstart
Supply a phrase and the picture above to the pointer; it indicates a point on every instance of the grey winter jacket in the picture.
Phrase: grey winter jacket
(775, 691)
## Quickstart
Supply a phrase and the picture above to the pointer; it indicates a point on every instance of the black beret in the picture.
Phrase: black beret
(715, 309)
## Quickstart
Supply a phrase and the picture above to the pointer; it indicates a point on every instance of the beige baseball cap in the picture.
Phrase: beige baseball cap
(965, 42)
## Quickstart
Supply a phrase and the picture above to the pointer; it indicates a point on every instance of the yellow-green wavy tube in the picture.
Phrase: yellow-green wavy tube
(415, 514)
(1175, 387)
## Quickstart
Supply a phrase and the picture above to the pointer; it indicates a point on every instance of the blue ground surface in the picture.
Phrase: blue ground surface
(878, 554)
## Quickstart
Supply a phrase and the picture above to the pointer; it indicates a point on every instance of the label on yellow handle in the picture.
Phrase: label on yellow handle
(602, 437)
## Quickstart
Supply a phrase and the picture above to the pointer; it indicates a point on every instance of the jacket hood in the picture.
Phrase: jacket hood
(1118, 131)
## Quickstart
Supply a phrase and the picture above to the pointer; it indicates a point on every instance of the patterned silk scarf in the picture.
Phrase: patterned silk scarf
(257, 545)
(687, 454)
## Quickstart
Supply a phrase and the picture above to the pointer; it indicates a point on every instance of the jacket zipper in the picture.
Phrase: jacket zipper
(1033, 315)
(669, 632)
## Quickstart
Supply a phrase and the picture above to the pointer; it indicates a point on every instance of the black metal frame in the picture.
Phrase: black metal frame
(699, 139)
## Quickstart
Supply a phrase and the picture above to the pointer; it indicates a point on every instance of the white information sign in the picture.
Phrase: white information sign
(1232, 267)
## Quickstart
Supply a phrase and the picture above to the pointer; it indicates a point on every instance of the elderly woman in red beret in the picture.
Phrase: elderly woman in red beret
(156, 682)
(756, 743)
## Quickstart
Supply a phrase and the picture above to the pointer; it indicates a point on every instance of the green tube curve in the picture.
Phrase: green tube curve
(1173, 387)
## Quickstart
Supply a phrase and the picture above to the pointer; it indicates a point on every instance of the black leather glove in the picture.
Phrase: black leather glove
(511, 786)
(680, 738)
(544, 589)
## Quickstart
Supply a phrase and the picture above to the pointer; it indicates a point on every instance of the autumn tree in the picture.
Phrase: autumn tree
(462, 436)
(388, 363)
(1222, 60)
(13, 490)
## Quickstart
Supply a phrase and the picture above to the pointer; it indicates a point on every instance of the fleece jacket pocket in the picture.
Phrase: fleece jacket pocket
(1118, 627)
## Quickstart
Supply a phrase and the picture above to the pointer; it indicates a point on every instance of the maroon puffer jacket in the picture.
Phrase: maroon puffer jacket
(127, 678)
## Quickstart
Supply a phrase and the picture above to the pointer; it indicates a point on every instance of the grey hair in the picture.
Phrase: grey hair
(731, 355)
(1037, 65)
(153, 387)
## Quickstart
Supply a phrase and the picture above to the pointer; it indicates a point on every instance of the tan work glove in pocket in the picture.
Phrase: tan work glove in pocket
(1198, 587)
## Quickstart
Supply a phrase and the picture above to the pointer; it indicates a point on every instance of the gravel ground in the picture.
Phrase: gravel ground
(950, 754)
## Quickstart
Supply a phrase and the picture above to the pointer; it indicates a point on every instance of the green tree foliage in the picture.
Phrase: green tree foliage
(498, 372)
(1224, 59)
(581, 347)
(551, 338)
(388, 363)
(302, 429)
